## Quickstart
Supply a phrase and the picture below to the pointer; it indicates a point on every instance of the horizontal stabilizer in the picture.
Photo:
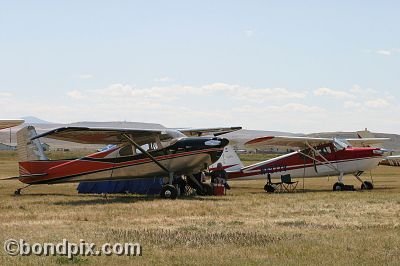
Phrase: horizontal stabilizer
(22, 176)
(10, 178)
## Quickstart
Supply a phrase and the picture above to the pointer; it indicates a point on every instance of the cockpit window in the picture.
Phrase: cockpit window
(126, 151)
(324, 150)
(340, 144)
(169, 137)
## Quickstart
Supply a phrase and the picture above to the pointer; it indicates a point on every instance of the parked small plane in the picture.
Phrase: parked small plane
(138, 153)
(316, 157)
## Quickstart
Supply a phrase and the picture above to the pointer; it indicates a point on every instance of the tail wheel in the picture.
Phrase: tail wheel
(367, 185)
(169, 192)
(269, 188)
(338, 186)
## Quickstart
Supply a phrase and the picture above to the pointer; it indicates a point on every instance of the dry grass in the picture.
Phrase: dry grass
(245, 227)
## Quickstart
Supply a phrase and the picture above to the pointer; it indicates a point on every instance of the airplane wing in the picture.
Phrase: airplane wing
(300, 142)
(6, 123)
(366, 142)
(295, 142)
(89, 135)
(208, 131)
(393, 160)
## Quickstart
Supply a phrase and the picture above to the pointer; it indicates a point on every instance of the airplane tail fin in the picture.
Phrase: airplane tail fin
(29, 150)
(229, 160)
(365, 134)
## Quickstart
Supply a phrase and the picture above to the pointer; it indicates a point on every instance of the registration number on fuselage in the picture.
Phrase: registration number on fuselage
(273, 169)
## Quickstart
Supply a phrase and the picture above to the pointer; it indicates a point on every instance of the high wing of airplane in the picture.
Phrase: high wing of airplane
(208, 131)
(316, 157)
(7, 123)
(393, 160)
(301, 142)
(137, 153)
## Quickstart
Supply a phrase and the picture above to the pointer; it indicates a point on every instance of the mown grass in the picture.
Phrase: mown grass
(246, 227)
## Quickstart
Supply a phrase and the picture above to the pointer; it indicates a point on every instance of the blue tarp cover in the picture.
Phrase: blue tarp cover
(149, 186)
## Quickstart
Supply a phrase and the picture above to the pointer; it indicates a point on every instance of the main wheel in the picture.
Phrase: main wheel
(367, 185)
(169, 192)
(338, 186)
(269, 188)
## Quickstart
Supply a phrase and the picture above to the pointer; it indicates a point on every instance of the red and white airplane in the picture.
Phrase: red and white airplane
(316, 157)
(137, 153)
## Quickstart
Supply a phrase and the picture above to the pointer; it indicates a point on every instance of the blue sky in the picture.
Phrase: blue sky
(300, 66)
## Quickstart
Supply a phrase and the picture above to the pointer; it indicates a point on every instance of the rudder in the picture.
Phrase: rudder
(29, 150)
(229, 159)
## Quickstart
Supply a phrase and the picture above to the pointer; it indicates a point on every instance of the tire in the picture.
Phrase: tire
(366, 185)
(169, 192)
(338, 186)
(269, 188)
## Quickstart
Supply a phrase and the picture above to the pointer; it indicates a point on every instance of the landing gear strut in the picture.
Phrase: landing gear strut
(365, 185)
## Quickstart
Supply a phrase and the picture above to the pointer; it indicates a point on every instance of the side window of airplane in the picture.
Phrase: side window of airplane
(325, 150)
(307, 152)
(148, 147)
(126, 151)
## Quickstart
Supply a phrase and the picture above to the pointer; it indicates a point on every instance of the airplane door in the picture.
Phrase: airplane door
(326, 168)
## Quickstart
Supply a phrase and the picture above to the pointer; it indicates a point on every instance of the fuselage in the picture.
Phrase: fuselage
(308, 163)
(185, 156)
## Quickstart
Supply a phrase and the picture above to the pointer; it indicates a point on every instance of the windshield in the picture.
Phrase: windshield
(169, 137)
(340, 144)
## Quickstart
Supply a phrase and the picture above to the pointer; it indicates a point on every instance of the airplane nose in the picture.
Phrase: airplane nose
(378, 151)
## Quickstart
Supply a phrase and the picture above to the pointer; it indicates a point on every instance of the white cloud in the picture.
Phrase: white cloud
(292, 108)
(86, 76)
(384, 52)
(75, 94)
(377, 103)
(164, 79)
(220, 104)
(170, 93)
(296, 107)
(249, 32)
(5, 94)
(352, 104)
(333, 93)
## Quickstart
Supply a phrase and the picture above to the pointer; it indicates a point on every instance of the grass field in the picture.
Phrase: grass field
(248, 226)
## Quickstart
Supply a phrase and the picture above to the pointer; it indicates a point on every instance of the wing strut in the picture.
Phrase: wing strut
(146, 153)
